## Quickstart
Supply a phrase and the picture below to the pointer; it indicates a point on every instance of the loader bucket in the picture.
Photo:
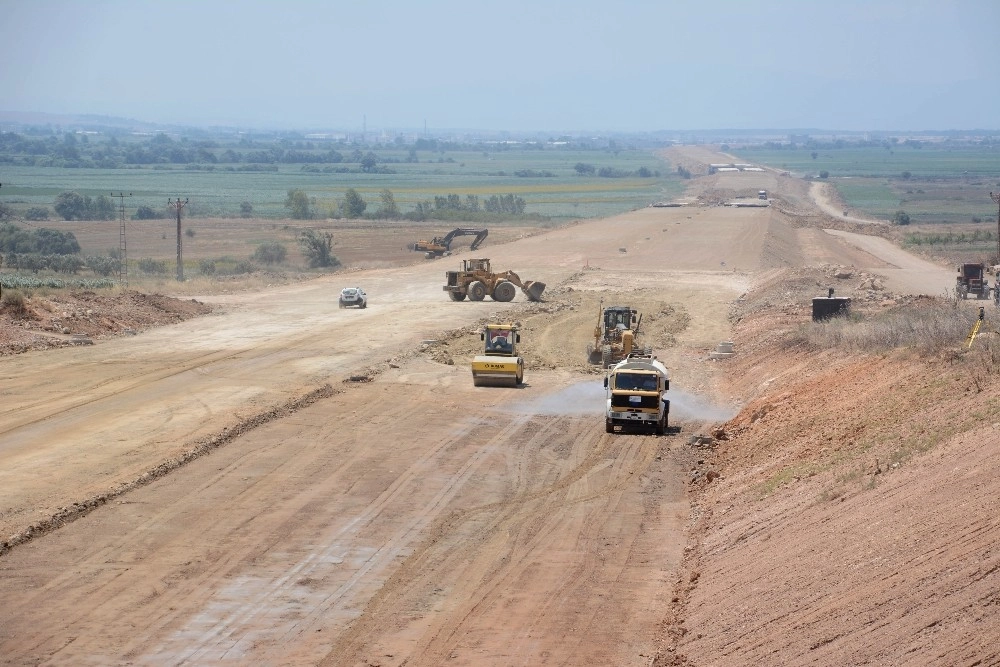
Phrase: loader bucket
(533, 290)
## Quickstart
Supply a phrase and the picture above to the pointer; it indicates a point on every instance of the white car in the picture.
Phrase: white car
(353, 296)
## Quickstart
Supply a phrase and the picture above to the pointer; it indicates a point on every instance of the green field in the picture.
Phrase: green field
(935, 183)
(218, 190)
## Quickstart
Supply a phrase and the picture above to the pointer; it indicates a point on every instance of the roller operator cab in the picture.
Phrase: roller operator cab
(637, 395)
(499, 364)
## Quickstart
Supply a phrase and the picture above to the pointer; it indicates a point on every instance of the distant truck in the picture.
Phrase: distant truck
(971, 279)
(637, 394)
(762, 194)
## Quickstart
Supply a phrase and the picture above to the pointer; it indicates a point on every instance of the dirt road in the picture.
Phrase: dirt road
(285, 482)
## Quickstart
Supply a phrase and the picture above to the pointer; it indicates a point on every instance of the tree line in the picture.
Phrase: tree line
(442, 207)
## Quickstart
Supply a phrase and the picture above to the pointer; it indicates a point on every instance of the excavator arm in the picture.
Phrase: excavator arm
(438, 246)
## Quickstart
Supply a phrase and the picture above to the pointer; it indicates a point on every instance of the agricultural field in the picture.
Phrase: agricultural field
(550, 185)
(933, 183)
(236, 193)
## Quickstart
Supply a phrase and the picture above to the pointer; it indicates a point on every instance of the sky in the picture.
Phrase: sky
(517, 65)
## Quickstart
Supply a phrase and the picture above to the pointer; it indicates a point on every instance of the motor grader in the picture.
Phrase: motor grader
(615, 336)
(499, 364)
(476, 280)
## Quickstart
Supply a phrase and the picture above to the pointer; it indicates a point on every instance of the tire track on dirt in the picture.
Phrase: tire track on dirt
(225, 635)
(507, 532)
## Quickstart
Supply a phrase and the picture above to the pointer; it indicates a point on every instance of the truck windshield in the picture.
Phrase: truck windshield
(635, 381)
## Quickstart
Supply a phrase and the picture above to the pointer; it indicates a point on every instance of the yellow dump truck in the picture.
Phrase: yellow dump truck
(499, 364)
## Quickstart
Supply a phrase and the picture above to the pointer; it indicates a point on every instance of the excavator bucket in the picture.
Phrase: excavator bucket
(533, 290)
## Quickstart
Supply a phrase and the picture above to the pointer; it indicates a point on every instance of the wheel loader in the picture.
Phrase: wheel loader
(499, 365)
(476, 280)
(615, 336)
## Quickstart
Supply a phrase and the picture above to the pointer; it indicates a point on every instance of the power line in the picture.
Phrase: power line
(177, 206)
(122, 250)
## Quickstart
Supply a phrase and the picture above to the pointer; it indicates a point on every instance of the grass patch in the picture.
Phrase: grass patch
(926, 325)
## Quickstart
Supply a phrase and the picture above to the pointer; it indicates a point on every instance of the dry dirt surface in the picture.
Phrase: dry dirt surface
(282, 482)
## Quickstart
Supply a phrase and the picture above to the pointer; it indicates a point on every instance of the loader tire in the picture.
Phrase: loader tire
(608, 426)
(456, 296)
(504, 291)
(477, 290)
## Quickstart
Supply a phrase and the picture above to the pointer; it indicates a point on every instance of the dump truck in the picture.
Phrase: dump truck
(615, 335)
(499, 364)
(476, 279)
(636, 390)
(971, 279)
(440, 246)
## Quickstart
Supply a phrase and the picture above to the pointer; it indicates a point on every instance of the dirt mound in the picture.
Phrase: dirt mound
(60, 319)
(847, 514)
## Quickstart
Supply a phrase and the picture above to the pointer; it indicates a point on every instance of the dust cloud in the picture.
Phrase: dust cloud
(583, 398)
(697, 408)
(588, 398)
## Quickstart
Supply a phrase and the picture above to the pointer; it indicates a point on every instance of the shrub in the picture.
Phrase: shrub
(244, 266)
(15, 303)
(189, 232)
(103, 265)
(37, 213)
(146, 213)
(270, 253)
(207, 267)
(152, 266)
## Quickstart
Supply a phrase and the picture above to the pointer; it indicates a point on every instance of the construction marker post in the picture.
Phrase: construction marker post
(975, 328)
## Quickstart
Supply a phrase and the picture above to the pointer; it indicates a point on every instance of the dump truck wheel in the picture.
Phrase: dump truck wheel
(477, 290)
(456, 296)
(476, 382)
(504, 291)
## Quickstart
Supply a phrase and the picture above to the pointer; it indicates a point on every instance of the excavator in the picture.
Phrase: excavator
(440, 246)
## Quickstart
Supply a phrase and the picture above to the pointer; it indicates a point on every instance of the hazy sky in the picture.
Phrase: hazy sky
(514, 65)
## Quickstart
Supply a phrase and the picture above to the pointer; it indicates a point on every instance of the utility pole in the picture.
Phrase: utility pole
(996, 200)
(177, 206)
(122, 250)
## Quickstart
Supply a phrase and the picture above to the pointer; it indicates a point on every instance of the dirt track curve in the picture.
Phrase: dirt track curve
(285, 482)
